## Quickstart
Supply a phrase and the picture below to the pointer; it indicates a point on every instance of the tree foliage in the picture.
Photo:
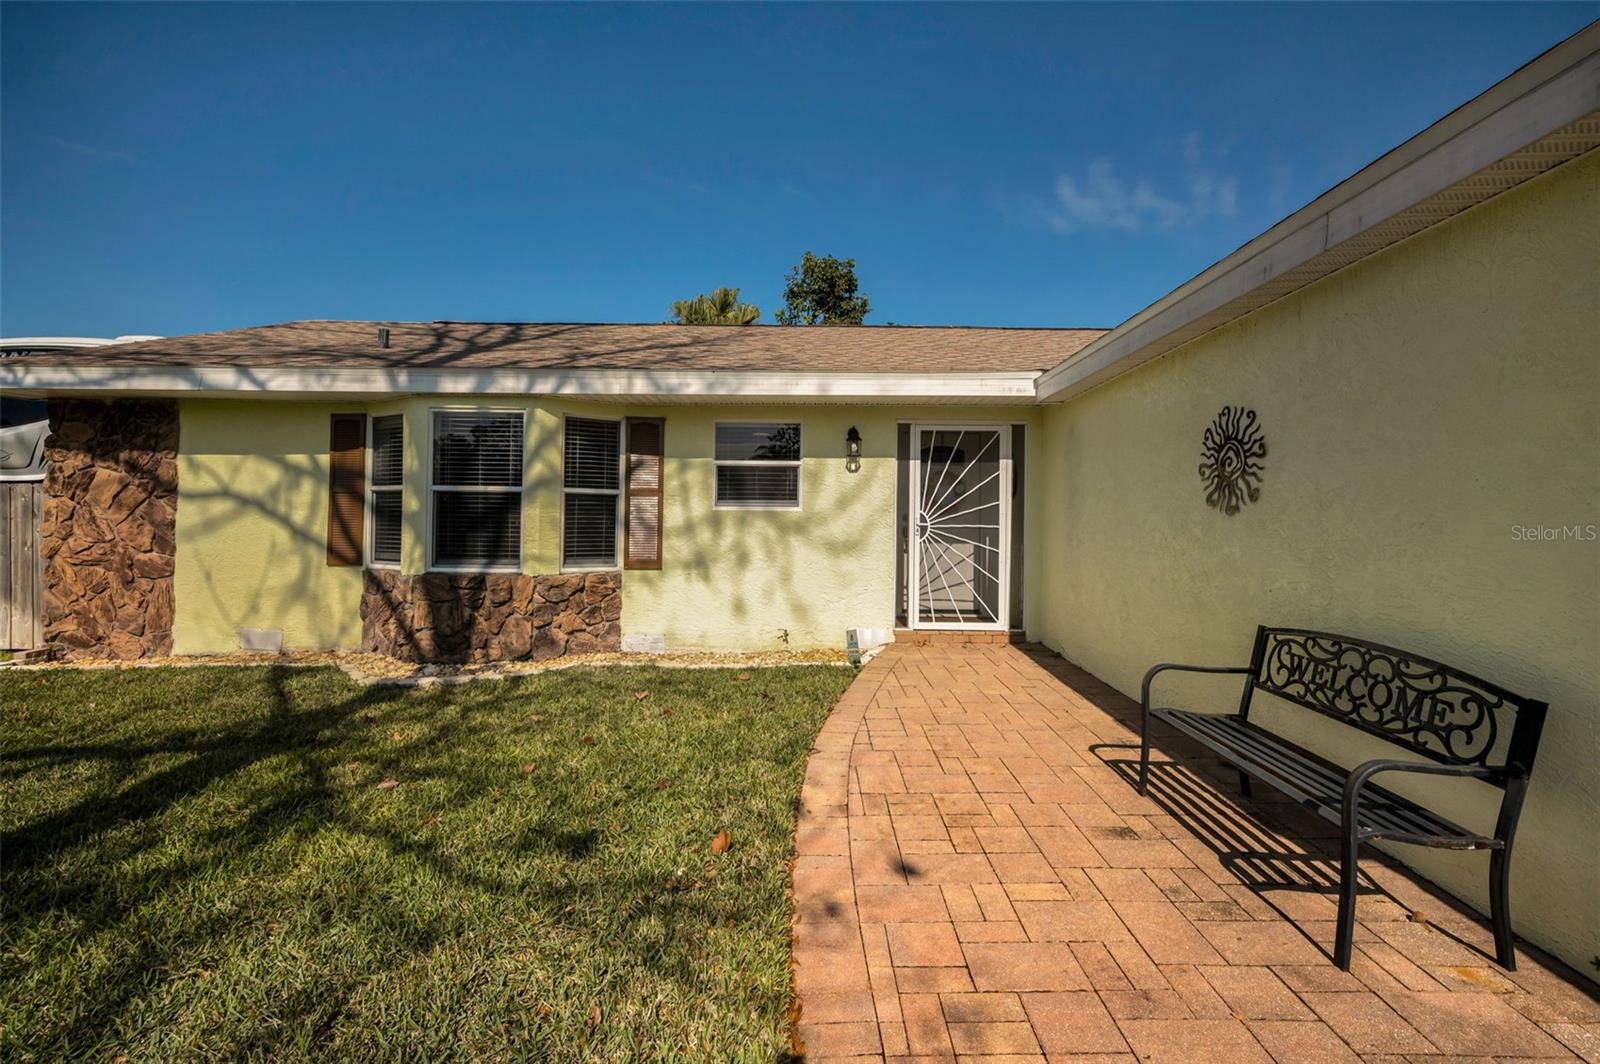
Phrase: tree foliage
(721, 307)
(822, 290)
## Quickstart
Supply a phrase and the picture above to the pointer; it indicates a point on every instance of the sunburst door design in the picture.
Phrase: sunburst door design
(960, 527)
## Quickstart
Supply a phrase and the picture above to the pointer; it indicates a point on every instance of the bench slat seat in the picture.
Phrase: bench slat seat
(1319, 784)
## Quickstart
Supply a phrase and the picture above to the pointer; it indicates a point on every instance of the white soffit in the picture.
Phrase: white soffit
(1545, 114)
(612, 385)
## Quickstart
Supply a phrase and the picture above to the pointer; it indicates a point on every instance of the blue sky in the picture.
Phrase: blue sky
(174, 168)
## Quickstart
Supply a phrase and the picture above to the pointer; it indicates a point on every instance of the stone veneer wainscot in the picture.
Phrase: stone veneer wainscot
(477, 618)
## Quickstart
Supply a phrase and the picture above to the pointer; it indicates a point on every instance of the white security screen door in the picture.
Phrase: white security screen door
(960, 536)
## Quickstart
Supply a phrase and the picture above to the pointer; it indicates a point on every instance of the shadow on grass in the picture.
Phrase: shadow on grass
(155, 854)
(234, 750)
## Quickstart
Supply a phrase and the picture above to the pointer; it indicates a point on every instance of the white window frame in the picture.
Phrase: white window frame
(797, 464)
(434, 489)
(368, 538)
(616, 508)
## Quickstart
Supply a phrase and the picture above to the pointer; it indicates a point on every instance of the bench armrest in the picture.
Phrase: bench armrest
(1362, 773)
(1144, 689)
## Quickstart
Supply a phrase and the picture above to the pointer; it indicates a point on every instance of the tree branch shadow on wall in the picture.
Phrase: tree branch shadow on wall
(297, 559)
(700, 550)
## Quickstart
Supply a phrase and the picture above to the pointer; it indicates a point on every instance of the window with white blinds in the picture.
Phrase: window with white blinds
(476, 490)
(758, 465)
(386, 473)
(591, 482)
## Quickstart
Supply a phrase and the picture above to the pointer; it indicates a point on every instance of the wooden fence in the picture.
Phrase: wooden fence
(21, 567)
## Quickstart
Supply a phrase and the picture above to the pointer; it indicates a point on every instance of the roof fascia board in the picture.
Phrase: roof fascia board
(35, 343)
(17, 377)
(1554, 90)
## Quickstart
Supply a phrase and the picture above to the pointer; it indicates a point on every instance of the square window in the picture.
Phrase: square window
(758, 465)
(473, 530)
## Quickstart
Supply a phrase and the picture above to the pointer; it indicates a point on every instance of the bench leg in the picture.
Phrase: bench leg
(1349, 869)
(1144, 764)
(1505, 948)
(1244, 783)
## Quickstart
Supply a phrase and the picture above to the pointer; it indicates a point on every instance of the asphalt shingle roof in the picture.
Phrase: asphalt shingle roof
(510, 345)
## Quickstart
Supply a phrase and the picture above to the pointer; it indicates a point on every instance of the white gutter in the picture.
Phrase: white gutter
(1556, 89)
(45, 343)
(18, 377)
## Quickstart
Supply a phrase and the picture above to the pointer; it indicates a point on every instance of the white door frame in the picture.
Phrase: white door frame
(913, 545)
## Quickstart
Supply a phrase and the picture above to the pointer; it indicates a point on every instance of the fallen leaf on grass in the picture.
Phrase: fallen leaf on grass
(641, 695)
(587, 740)
(662, 784)
(594, 788)
(527, 770)
(743, 676)
(722, 842)
(666, 712)
(388, 785)
(594, 1017)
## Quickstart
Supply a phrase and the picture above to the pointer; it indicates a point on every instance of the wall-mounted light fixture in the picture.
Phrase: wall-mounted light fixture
(852, 443)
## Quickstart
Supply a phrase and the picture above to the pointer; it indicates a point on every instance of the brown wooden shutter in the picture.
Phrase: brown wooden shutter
(641, 548)
(347, 487)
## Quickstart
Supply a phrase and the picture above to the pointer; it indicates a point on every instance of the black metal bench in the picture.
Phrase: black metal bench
(1458, 722)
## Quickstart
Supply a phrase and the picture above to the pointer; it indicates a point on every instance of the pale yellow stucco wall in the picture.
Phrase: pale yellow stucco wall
(252, 525)
(1417, 408)
(253, 504)
(753, 578)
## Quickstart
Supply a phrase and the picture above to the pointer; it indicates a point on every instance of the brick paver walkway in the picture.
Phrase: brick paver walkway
(977, 879)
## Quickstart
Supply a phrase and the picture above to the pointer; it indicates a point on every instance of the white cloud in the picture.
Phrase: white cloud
(89, 150)
(1101, 199)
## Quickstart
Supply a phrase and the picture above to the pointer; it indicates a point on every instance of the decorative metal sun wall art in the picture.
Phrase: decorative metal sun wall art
(1230, 459)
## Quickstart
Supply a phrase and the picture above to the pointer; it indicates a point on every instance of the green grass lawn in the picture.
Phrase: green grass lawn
(211, 863)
